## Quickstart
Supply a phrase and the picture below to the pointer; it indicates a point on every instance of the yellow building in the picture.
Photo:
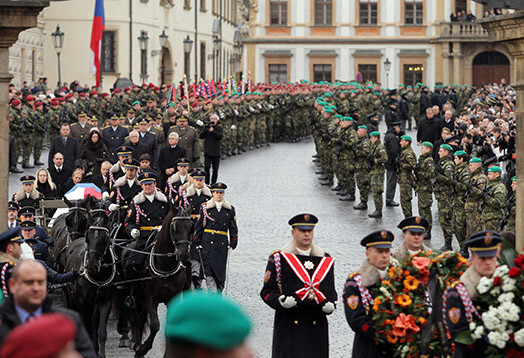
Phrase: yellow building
(317, 40)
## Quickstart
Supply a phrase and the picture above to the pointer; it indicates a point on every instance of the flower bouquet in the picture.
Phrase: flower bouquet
(502, 325)
(401, 306)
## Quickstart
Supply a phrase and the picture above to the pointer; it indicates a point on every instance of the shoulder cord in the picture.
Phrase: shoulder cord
(119, 196)
(278, 269)
(469, 308)
(170, 188)
(139, 213)
(367, 299)
(182, 193)
(4, 284)
(206, 215)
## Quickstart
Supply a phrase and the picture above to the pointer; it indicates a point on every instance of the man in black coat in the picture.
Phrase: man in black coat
(392, 113)
(102, 180)
(139, 147)
(59, 173)
(66, 145)
(403, 112)
(114, 137)
(392, 144)
(300, 325)
(28, 287)
(425, 101)
(168, 158)
(212, 135)
(149, 139)
(448, 121)
(428, 128)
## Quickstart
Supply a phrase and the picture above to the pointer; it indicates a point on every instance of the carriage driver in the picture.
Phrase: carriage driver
(125, 188)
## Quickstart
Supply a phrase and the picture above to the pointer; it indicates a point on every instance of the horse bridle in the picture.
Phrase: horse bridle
(75, 210)
(109, 247)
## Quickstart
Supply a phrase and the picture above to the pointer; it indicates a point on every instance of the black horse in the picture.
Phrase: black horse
(166, 277)
(91, 295)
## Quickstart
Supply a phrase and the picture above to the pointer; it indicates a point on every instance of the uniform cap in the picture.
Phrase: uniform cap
(427, 144)
(414, 224)
(380, 239)
(13, 205)
(484, 243)
(219, 187)
(346, 119)
(124, 150)
(183, 162)
(59, 331)
(27, 179)
(131, 163)
(82, 114)
(26, 210)
(338, 116)
(11, 235)
(363, 127)
(39, 103)
(303, 221)
(117, 90)
(406, 138)
(27, 225)
(460, 153)
(143, 121)
(81, 94)
(374, 134)
(475, 160)
(372, 115)
(494, 169)
(105, 94)
(207, 319)
(446, 147)
(15, 102)
(136, 102)
(514, 178)
(147, 178)
(198, 174)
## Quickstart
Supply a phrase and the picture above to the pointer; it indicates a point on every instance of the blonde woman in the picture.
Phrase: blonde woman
(76, 178)
(44, 184)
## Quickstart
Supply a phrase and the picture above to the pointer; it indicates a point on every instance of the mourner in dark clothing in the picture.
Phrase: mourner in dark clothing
(392, 145)
(428, 128)
(66, 145)
(94, 152)
(114, 136)
(168, 158)
(212, 135)
(59, 173)
(45, 184)
(28, 195)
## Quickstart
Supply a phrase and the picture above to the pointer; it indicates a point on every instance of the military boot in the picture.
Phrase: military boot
(337, 188)
(447, 246)
(347, 197)
(323, 177)
(361, 206)
(375, 214)
(343, 192)
(328, 182)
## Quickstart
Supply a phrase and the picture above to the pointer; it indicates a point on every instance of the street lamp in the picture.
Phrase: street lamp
(387, 67)
(142, 43)
(217, 46)
(188, 44)
(58, 42)
(163, 44)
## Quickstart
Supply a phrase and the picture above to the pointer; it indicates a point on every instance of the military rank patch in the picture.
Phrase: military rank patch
(352, 301)
(267, 276)
(454, 315)
(129, 212)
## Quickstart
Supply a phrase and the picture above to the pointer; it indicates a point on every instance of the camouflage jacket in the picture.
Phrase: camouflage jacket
(362, 151)
(408, 162)
(379, 157)
(15, 120)
(444, 177)
(462, 178)
(477, 184)
(494, 200)
(425, 172)
(28, 120)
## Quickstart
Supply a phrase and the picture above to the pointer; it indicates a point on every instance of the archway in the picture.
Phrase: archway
(166, 67)
(490, 66)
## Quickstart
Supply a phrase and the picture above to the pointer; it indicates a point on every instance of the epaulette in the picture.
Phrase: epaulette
(454, 284)
(74, 124)
(274, 252)
(352, 275)
(192, 127)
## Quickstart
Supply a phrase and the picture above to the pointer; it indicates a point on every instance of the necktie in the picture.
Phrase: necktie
(30, 317)
(11, 225)
(64, 140)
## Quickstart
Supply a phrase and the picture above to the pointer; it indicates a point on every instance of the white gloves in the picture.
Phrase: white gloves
(233, 126)
(251, 109)
(113, 207)
(199, 123)
(287, 302)
(135, 233)
(105, 195)
(159, 228)
(236, 112)
(328, 308)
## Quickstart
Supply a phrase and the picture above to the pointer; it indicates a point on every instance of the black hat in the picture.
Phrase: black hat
(183, 162)
(393, 92)
(392, 101)
(372, 115)
(414, 224)
(380, 239)
(26, 210)
(147, 178)
(124, 150)
(131, 163)
(13, 205)
(27, 225)
(451, 139)
(395, 124)
(27, 179)
(198, 174)
(219, 187)
(11, 235)
(484, 243)
(303, 221)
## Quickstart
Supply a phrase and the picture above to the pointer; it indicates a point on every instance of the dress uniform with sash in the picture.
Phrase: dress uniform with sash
(195, 198)
(461, 301)
(117, 170)
(211, 232)
(24, 198)
(302, 281)
(124, 189)
(414, 224)
(358, 301)
(146, 214)
(176, 180)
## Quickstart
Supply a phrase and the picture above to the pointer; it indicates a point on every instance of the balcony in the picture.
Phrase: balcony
(461, 32)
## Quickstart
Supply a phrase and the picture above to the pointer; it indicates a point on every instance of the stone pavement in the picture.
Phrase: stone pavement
(268, 186)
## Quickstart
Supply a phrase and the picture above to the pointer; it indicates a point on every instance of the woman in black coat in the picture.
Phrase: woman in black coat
(94, 152)
(44, 184)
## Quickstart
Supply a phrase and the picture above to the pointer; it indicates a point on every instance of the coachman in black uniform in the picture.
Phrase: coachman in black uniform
(196, 195)
(10, 251)
(299, 286)
(145, 216)
(217, 218)
(118, 170)
(358, 294)
(462, 304)
(28, 195)
(125, 188)
(180, 178)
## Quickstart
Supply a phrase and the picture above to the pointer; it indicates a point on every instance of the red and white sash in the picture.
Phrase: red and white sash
(311, 284)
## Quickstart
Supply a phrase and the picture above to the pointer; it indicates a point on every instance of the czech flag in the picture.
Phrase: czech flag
(99, 24)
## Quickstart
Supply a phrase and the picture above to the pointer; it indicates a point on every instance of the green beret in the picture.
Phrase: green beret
(374, 134)
(475, 160)
(406, 137)
(514, 178)
(363, 127)
(354, 91)
(388, 89)
(346, 119)
(327, 94)
(401, 84)
(333, 107)
(446, 147)
(459, 153)
(494, 169)
(220, 97)
(338, 116)
(328, 110)
(248, 93)
(369, 87)
(427, 144)
(410, 86)
(376, 93)
(136, 102)
(206, 319)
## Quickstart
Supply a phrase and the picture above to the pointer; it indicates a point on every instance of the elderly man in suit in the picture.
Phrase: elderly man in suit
(66, 145)
(188, 139)
(114, 137)
(81, 130)
(168, 158)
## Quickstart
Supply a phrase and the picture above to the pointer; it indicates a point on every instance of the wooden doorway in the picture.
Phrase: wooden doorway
(490, 67)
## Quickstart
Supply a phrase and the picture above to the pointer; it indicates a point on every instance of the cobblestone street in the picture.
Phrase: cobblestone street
(268, 186)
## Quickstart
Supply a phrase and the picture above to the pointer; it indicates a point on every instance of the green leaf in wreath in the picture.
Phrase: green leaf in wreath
(508, 254)
(465, 337)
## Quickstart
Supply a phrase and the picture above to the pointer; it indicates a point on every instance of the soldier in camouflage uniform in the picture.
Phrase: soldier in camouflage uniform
(127, 100)
(14, 117)
(424, 174)
(81, 103)
(511, 207)
(460, 182)
(494, 200)
(406, 179)
(324, 155)
(362, 151)
(40, 126)
(444, 193)
(27, 131)
(93, 106)
(53, 119)
(378, 158)
(105, 106)
(261, 125)
(476, 186)
(70, 109)
(116, 102)
(252, 112)
(346, 159)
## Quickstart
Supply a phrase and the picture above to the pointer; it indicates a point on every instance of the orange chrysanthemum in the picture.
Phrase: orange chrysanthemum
(411, 283)
(391, 338)
(404, 300)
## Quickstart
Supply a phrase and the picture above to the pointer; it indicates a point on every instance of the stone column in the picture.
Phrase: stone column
(445, 67)
(457, 64)
(509, 30)
(15, 17)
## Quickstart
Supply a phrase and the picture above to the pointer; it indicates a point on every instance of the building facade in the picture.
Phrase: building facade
(316, 40)
(202, 21)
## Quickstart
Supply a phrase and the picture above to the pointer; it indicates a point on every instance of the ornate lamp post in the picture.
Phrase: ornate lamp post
(142, 43)
(387, 68)
(188, 44)
(58, 42)
(163, 44)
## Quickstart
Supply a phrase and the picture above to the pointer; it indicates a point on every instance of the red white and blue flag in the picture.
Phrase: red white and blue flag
(99, 24)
